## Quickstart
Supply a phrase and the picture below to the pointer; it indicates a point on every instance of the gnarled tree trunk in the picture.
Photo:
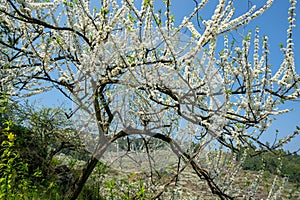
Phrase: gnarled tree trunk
(76, 187)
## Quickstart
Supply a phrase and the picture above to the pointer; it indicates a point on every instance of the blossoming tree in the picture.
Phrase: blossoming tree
(131, 72)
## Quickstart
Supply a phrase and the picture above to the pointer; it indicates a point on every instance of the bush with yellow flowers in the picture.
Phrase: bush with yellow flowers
(13, 171)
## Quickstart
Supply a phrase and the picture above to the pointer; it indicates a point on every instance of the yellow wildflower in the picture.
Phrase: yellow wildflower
(11, 136)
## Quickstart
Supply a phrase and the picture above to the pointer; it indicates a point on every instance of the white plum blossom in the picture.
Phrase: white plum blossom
(132, 73)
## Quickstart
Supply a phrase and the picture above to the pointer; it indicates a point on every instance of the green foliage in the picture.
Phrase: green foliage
(271, 162)
(291, 167)
(14, 172)
(104, 11)
(131, 17)
(14, 176)
(116, 185)
(29, 139)
(146, 3)
(131, 187)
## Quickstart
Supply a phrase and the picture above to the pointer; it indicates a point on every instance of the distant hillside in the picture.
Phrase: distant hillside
(284, 165)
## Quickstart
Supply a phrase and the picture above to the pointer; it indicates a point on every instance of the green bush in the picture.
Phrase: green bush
(14, 176)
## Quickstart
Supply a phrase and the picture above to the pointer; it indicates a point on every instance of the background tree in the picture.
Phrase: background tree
(130, 72)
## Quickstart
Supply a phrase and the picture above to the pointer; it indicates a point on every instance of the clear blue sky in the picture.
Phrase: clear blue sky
(274, 24)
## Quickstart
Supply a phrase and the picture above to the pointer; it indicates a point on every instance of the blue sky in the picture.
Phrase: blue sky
(274, 24)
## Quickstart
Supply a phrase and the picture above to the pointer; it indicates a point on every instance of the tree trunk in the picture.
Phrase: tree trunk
(76, 187)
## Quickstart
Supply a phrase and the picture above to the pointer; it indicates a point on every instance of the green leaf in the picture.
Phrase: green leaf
(221, 53)
(281, 45)
(146, 3)
(229, 91)
(247, 38)
(59, 40)
(104, 11)
(131, 17)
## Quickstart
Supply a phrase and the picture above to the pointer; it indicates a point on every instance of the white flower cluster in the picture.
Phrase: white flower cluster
(286, 73)
(41, 5)
(121, 60)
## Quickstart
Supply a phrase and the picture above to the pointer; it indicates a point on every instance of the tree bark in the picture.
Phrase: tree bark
(76, 187)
